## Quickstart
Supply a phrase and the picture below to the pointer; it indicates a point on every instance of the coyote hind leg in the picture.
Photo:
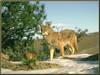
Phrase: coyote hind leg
(62, 51)
(72, 50)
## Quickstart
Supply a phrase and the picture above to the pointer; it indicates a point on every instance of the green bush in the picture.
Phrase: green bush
(14, 55)
(28, 62)
(43, 55)
(20, 19)
(80, 33)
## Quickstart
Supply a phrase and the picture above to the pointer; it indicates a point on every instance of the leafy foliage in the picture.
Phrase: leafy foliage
(29, 63)
(43, 54)
(19, 20)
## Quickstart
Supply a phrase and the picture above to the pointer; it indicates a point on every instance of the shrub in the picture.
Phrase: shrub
(20, 19)
(44, 54)
(29, 59)
(80, 33)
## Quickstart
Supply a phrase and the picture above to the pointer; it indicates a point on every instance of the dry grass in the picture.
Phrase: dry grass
(89, 43)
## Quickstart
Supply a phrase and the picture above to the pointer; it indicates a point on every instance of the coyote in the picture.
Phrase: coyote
(59, 40)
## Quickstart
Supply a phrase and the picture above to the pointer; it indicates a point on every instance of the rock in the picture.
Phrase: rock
(91, 58)
(4, 56)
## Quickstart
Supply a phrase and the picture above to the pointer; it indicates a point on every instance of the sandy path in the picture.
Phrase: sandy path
(68, 67)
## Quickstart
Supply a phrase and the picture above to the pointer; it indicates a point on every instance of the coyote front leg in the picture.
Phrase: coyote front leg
(51, 53)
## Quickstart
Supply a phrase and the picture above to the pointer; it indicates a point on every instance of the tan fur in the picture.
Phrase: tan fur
(59, 40)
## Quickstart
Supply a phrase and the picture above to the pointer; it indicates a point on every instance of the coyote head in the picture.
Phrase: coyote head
(46, 29)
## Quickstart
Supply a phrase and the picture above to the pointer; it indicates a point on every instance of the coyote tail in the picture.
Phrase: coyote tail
(76, 43)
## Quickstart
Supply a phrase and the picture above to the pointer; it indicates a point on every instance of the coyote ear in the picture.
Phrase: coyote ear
(53, 26)
(48, 23)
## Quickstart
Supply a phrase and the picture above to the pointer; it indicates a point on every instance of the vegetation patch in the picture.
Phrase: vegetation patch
(38, 65)
(26, 64)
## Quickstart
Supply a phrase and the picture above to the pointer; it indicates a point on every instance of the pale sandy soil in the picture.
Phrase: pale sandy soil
(68, 67)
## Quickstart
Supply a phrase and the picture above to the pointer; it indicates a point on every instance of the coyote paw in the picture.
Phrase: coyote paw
(60, 57)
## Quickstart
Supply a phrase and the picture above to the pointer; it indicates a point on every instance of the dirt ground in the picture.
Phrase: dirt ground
(68, 66)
